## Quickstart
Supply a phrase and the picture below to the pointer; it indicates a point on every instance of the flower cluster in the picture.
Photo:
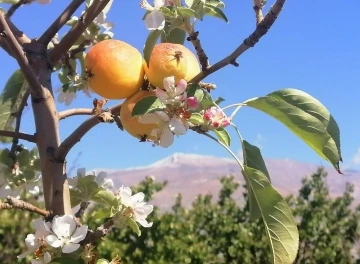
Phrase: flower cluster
(176, 117)
(62, 233)
(173, 120)
(100, 179)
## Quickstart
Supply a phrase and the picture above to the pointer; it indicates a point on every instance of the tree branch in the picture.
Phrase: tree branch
(14, 134)
(13, 203)
(20, 56)
(99, 233)
(75, 111)
(75, 32)
(203, 58)
(15, 7)
(78, 133)
(48, 35)
(261, 29)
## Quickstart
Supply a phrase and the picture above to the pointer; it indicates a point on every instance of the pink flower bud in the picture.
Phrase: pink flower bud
(192, 102)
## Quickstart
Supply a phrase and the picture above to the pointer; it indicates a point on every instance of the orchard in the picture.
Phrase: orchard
(162, 93)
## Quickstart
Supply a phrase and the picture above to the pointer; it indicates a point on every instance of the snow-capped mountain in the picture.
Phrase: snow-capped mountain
(192, 174)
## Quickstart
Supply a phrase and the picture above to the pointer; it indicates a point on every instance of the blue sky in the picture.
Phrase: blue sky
(312, 46)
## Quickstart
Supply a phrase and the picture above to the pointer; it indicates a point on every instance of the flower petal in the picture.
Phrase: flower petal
(168, 82)
(47, 257)
(125, 196)
(64, 226)
(177, 126)
(136, 198)
(161, 94)
(70, 247)
(181, 87)
(159, 3)
(166, 138)
(163, 116)
(108, 184)
(155, 20)
(149, 119)
(53, 241)
(144, 223)
(79, 234)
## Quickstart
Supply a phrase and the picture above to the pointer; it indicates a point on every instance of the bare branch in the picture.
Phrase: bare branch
(20, 56)
(75, 111)
(261, 29)
(81, 211)
(15, 7)
(75, 32)
(203, 58)
(13, 134)
(13, 203)
(60, 21)
(99, 233)
(19, 35)
(78, 133)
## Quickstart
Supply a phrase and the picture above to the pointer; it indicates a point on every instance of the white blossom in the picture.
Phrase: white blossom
(66, 233)
(166, 127)
(100, 179)
(155, 19)
(35, 241)
(140, 210)
(172, 94)
(215, 118)
(45, 259)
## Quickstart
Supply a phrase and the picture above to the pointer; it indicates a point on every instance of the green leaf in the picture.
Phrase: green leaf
(102, 261)
(133, 225)
(146, 105)
(207, 100)
(280, 225)
(186, 12)
(223, 136)
(24, 157)
(167, 11)
(192, 88)
(88, 186)
(10, 99)
(64, 260)
(196, 119)
(215, 12)
(198, 7)
(219, 100)
(216, 3)
(177, 36)
(75, 197)
(102, 213)
(306, 117)
(254, 159)
(104, 197)
(150, 43)
(4, 157)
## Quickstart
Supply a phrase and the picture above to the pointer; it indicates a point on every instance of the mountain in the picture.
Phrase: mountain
(192, 174)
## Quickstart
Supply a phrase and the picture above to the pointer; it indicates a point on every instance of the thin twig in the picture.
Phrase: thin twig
(15, 6)
(203, 58)
(48, 35)
(78, 133)
(13, 134)
(261, 29)
(75, 111)
(99, 233)
(258, 7)
(20, 56)
(75, 32)
(81, 211)
(18, 114)
(13, 203)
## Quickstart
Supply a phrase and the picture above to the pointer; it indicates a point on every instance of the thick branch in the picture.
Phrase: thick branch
(20, 56)
(13, 203)
(60, 22)
(78, 133)
(203, 58)
(261, 29)
(19, 135)
(75, 111)
(76, 31)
